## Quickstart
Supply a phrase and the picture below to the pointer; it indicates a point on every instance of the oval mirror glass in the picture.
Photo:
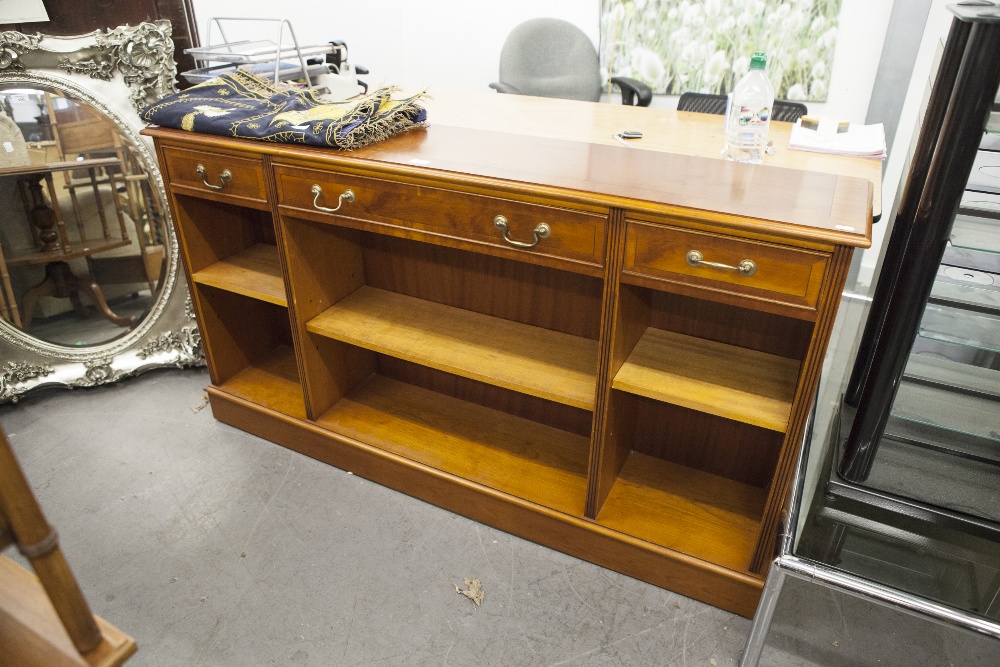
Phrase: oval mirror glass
(82, 235)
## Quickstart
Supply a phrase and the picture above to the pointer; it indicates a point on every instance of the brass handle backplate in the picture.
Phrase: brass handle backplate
(345, 196)
(224, 178)
(745, 268)
(542, 231)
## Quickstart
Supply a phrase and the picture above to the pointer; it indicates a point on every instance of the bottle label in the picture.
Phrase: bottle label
(749, 116)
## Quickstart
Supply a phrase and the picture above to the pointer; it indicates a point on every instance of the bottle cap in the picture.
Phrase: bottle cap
(759, 60)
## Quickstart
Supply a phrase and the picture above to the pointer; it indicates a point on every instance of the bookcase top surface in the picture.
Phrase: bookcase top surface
(813, 197)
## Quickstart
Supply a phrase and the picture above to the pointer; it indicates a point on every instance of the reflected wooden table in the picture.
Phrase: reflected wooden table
(54, 248)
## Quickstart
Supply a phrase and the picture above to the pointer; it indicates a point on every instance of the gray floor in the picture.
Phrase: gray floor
(213, 547)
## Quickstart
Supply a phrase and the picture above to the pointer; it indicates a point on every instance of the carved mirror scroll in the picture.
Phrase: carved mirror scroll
(91, 289)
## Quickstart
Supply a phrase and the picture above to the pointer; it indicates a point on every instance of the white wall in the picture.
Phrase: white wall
(935, 30)
(451, 44)
(455, 44)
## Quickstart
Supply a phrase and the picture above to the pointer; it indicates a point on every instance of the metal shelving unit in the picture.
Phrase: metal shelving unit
(907, 513)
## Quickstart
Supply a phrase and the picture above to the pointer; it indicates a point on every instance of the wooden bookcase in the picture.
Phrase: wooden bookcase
(592, 389)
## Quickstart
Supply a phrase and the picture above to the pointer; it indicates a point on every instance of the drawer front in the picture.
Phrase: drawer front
(244, 184)
(778, 273)
(445, 216)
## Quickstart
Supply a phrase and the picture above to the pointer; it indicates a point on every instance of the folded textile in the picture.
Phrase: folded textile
(238, 104)
(858, 141)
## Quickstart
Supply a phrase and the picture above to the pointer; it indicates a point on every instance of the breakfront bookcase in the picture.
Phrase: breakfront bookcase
(607, 351)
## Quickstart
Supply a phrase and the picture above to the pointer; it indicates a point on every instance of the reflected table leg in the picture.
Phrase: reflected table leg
(61, 282)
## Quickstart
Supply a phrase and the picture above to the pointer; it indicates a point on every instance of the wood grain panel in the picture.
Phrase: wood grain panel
(444, 216)
(548, 364)
(630, 319)
(785, 274)
(826, 208)
(732, 325)
(698, 440)
(686, 510)
(237, 331)
(513, 455)
(254, 272)
(664, 130)
(213, 231)
(245, 188)
(556, 415)
(517, 291)
(812, 365)
(724, 380)
(272, 381)
(324, 265)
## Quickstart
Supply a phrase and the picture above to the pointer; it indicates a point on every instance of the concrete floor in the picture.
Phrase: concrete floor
(213, 547)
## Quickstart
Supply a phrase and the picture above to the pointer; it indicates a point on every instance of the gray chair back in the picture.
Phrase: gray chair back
(549, 57)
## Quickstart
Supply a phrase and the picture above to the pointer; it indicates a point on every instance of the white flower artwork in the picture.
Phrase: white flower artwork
(704, 46)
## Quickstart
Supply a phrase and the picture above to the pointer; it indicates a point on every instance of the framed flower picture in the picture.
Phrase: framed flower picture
(704, 46)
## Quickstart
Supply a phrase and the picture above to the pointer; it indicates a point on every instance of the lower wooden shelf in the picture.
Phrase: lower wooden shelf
(272, 382)
(724, 380)
(687, 510)
(593, 541)
(548, 364)
(532, 461)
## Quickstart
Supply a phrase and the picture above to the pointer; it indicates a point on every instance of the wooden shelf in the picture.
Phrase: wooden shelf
(255, 272)
(687, 510)
(531, 360)
(272, 382)
(517, 456)
(727, 381)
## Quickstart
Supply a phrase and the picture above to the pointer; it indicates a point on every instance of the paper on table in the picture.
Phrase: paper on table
(858, 141)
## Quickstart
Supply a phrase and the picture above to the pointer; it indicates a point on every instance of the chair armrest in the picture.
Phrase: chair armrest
(501, 87)
(634, 93)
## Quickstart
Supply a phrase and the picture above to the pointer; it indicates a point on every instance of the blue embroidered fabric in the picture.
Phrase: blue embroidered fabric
(238, 104)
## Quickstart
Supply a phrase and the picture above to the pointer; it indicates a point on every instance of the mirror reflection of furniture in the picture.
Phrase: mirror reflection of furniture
(61, 350)
(44, 621)
(549, 57)
(55, 248)
(80, 132)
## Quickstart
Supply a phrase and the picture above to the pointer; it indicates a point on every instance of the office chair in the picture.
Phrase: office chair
(788, 112)
(553, 58)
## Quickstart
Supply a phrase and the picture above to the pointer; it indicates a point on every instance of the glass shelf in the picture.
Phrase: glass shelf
(981, 201)
(952, 397)
(993, 123)
(976, 290)
(953, 325)
(973, 233)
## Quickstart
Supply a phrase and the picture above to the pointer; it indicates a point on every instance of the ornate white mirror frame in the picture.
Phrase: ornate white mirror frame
(117, 72)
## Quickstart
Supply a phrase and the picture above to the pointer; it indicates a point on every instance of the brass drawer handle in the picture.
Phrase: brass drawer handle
(224, 177)
(542, 231)
(746, 268)
(346, 195)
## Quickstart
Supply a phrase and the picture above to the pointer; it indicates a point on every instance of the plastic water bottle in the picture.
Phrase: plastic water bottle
(750, 114)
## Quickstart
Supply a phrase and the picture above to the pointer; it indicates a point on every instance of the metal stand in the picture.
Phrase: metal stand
(960, 102)
(247, 52)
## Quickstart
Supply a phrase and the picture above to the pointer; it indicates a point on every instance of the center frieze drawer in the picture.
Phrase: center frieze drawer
(445, 216)
(724, 263)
